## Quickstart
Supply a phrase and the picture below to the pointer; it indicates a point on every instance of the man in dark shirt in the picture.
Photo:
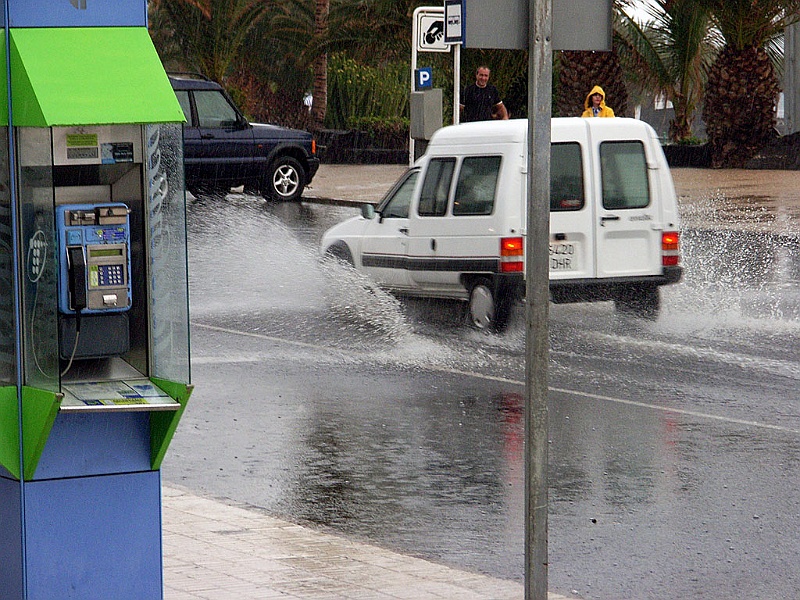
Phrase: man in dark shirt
(480, 101)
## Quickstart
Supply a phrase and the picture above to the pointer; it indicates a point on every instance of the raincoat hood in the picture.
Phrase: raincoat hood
(595, 90)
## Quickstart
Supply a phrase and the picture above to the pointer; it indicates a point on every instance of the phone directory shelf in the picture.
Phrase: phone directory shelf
(125, 395)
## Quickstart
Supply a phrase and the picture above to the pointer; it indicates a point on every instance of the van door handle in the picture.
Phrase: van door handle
(403, 230)
(433, 245)
(611, 218)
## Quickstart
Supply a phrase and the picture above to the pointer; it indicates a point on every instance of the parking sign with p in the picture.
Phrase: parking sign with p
(423, 78)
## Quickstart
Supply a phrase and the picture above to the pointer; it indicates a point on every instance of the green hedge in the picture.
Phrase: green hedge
(357, 91)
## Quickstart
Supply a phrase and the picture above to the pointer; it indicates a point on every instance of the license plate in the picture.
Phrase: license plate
(564, 256)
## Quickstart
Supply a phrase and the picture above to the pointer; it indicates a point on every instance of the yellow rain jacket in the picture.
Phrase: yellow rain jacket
(605, 111)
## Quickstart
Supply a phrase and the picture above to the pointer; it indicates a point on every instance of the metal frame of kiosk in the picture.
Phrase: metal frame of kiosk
(94, 322)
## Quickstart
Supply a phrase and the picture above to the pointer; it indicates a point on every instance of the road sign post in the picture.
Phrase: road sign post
(535, 24)
(427, 35)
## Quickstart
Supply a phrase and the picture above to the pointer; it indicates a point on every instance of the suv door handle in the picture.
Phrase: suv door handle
(403, 230)
(207, 136)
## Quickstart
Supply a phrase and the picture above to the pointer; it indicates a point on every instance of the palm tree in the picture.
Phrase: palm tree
(671, 55)
(743, 83)
(579, 71)
(211, 32)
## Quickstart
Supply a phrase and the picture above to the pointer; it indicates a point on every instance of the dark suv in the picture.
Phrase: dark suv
(223, 150)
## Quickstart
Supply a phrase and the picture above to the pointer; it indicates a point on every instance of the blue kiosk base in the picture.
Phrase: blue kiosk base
(85, 538)
(92, 514)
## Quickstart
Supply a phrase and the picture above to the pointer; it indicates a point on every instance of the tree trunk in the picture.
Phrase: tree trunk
(580, 71)
(739, 110)
(320, 90)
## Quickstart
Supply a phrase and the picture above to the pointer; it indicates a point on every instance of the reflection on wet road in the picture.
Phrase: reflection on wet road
(674, 445)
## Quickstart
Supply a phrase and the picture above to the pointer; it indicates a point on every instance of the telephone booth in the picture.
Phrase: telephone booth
(94, 327)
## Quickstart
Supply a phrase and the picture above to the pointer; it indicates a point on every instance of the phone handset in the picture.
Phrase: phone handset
(76, 266)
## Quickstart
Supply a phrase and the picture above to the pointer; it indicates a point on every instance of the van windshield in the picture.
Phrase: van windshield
(398, 201)
(624, 175)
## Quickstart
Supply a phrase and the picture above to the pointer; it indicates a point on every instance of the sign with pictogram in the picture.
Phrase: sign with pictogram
(430, 30)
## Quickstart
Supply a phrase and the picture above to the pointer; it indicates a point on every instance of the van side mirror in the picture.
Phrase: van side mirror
(368, 211)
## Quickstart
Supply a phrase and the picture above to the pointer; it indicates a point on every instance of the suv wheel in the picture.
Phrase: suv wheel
(286, 180)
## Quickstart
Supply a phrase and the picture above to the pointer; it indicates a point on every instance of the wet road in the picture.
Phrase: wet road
(675, 445)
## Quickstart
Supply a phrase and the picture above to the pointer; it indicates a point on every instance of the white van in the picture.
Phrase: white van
(453, 226)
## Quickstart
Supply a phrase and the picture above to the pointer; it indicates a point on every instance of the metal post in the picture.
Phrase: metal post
(456, 84)
(414, 34)
(540, 68)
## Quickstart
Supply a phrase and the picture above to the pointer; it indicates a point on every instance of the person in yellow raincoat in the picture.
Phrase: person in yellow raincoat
(595, 104)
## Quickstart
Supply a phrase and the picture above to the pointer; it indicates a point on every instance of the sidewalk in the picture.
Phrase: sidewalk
(743, 199)
(219, 551)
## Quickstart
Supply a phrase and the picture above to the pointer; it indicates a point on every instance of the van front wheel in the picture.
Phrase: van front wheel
(486, 311)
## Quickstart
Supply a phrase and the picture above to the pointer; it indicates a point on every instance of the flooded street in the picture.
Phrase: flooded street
(674, 444)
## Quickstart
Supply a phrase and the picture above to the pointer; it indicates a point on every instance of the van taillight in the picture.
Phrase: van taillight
(313, 146)
(670, 254)
(512, 251)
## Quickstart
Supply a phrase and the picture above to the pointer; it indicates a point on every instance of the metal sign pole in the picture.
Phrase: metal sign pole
(456, 84)
(537, 298)
(414, 37)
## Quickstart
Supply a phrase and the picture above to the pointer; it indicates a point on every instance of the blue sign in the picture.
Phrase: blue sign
(423, 78)
(77, 13)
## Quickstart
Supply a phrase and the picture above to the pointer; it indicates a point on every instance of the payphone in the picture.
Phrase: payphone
(93, 279)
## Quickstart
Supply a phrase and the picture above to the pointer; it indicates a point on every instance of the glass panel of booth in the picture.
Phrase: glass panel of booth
(7, 326)
(168, 254)
(105, 288)
(38, 256)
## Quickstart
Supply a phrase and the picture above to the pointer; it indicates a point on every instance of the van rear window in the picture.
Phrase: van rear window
(477, 185)
(566, 177)
(624, 175)
(436, 187)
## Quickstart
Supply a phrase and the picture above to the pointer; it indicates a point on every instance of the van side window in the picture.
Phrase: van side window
(566, 177)
(624, 175)
(396, 205)
(436, 187)
(477, 184)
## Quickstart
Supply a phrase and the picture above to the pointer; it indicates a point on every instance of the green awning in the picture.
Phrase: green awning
(88, 76)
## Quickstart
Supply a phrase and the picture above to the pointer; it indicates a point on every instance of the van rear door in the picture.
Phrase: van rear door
(628, 209)
(572, 211)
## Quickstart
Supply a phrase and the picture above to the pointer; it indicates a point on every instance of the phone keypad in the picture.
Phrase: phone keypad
(111, 275)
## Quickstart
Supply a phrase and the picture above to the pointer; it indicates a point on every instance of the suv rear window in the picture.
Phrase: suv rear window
(183, 100)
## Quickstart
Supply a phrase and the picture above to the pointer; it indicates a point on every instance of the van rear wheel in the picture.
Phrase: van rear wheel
(644, 303)
(486, 311)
